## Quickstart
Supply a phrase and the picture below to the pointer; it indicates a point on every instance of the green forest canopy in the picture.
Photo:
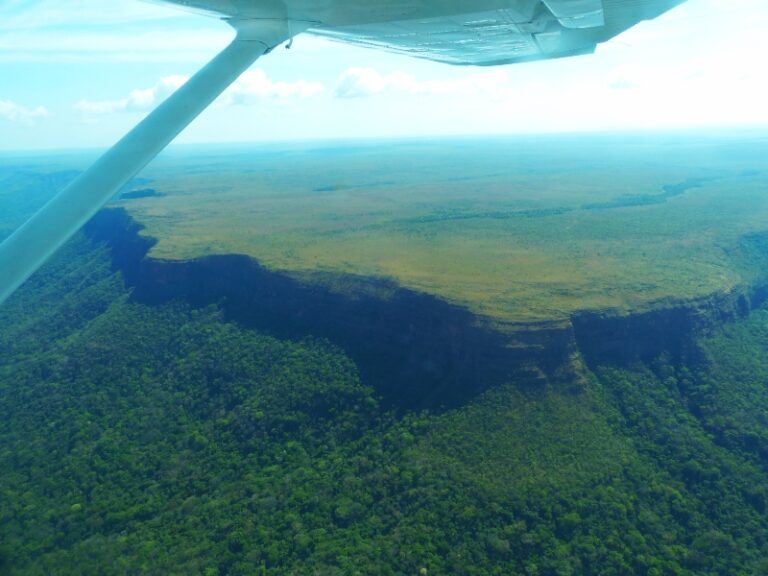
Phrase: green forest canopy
(164, 440)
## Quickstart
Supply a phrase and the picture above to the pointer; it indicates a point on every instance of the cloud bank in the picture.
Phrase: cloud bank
(139, 100)
(14, 112)
(358, 82)
(252, 86)
(255, 85)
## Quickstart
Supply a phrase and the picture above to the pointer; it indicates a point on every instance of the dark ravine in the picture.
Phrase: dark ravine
(417, 350)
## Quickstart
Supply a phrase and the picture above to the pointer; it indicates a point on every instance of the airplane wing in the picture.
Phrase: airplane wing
(518, 33)
(475, 32)
(479, 32)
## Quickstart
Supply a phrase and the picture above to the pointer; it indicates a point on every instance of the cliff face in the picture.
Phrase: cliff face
(417, 350)
(670, 328)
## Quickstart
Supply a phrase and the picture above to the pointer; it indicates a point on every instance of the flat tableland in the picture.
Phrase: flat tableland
(517, 229)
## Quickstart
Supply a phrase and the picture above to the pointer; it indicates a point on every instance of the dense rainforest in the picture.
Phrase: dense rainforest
(164, 439)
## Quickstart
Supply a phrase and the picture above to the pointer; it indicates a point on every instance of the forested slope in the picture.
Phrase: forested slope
(139, 439)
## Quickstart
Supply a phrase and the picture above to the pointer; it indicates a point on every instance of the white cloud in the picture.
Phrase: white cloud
(362, 82)
(250, 87)
(255, 85)
(139, 100)
(622, 83)
(358, 82)
(17, 113)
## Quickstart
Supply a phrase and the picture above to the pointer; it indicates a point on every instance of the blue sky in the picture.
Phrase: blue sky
(81, 73)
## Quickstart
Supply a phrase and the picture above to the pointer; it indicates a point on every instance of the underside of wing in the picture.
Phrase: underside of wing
(476, 32)
(520, 32)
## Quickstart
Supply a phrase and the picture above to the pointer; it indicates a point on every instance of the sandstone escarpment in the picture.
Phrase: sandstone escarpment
(416, 349)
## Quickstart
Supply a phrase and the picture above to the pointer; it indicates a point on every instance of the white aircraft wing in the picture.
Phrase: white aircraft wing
(518, 33)
(464, 32)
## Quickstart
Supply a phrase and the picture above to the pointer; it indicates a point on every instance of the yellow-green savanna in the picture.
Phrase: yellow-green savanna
(522, 229)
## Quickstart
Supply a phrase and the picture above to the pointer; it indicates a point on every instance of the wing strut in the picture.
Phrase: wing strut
(35, 241)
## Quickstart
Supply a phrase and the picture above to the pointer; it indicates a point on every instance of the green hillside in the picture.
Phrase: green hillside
(140, 439)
